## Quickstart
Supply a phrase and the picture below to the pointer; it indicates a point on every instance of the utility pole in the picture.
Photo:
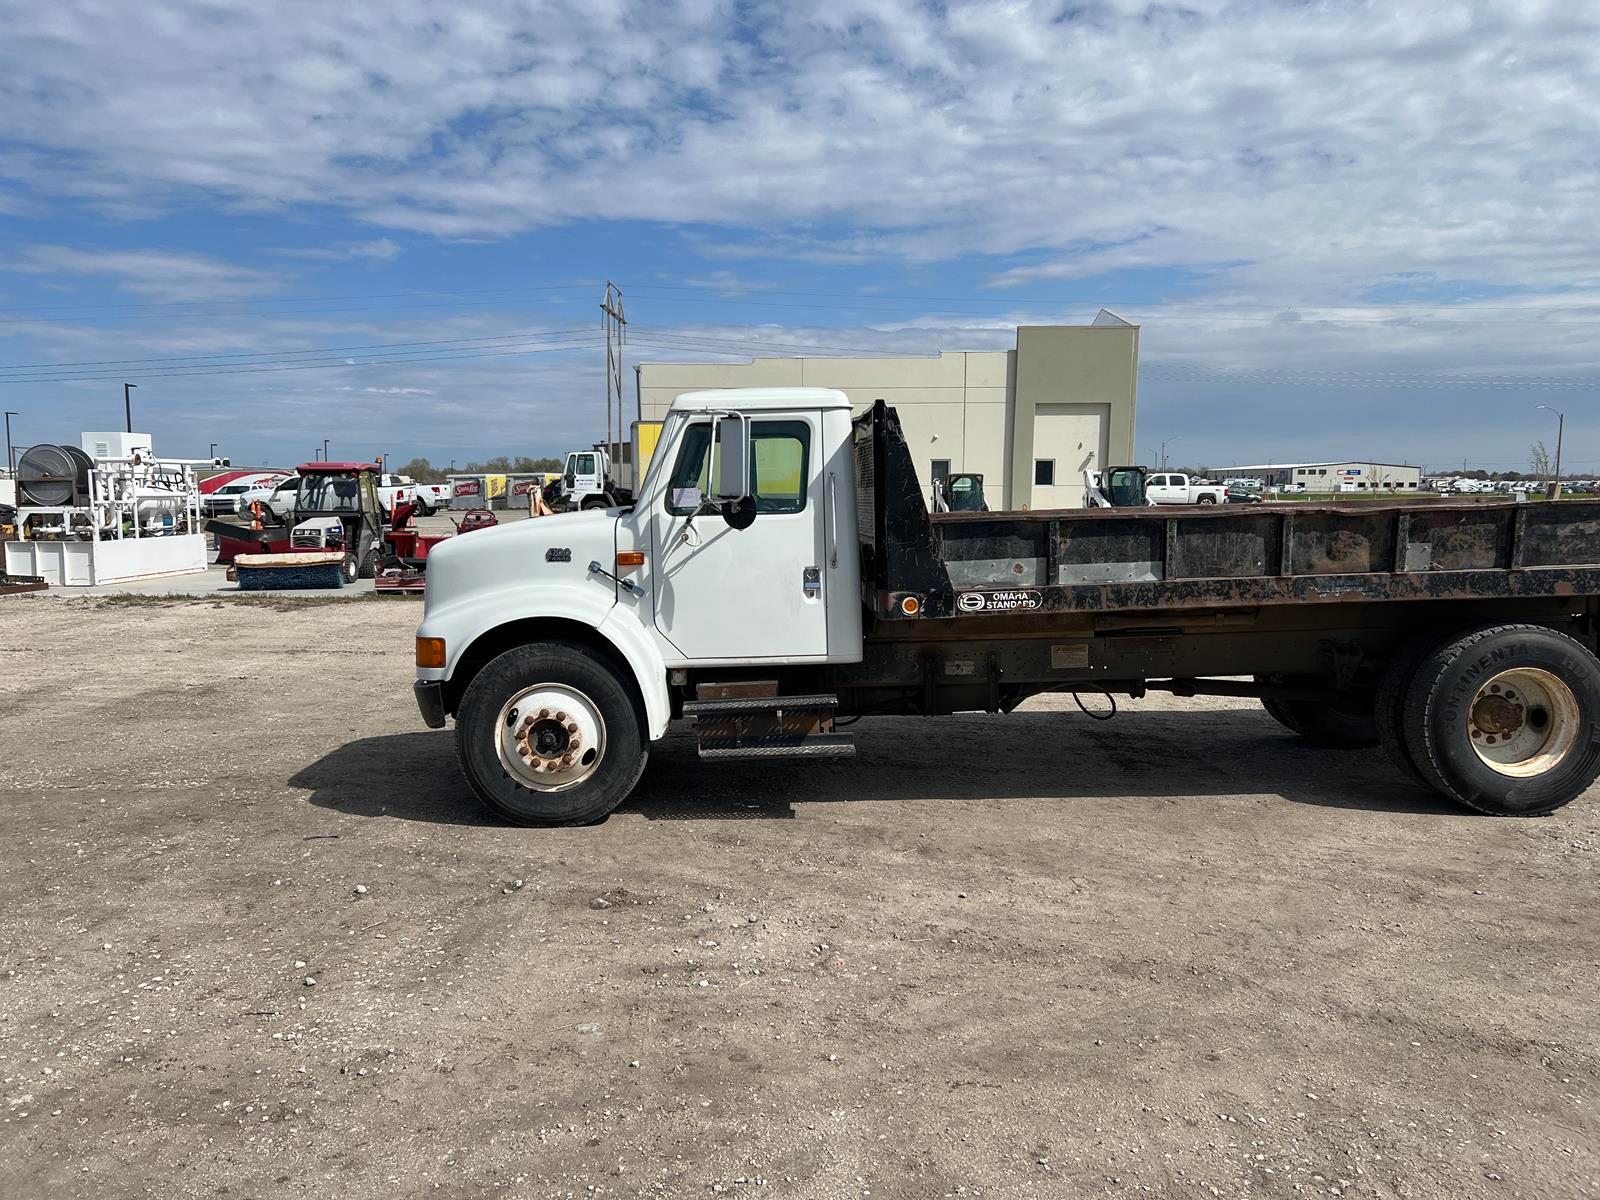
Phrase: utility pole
(1176, 438)
(11, 462)
(127, 404)
(1561, 428)
(615, 324)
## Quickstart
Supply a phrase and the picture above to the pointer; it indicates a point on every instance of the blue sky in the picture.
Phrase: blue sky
(1345, 229)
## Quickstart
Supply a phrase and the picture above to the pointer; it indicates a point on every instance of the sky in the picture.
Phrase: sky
(1345, 229)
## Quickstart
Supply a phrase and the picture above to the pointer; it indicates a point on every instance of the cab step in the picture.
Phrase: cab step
(746, 705)
(815, 745)
(767, 726)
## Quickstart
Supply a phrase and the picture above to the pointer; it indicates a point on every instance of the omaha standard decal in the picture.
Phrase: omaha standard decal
(1008, 601)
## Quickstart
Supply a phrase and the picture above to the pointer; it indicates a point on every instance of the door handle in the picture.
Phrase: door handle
(833, 525)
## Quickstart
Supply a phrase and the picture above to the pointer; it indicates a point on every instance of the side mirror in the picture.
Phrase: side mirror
(730, 468)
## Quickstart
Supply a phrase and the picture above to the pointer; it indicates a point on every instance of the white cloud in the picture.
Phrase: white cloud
(376, 250)
(157, 275)
(1286, 147)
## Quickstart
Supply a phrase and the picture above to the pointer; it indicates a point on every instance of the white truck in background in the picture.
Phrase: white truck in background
(1174, 487)
(587, 481)
(394, 489)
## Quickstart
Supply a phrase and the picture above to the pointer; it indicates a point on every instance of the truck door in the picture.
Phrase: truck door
(751, 593)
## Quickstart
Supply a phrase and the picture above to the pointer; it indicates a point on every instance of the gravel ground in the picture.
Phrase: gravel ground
(256, 939)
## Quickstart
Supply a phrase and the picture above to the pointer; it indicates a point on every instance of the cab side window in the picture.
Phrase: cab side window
(782, 454)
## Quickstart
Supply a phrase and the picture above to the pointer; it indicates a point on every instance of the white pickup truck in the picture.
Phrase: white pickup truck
(394, 489)
(780, 569)
(1172, 487)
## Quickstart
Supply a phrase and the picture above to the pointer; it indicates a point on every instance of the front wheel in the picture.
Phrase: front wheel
(1506, 720)
(350, 569)
(551, 734)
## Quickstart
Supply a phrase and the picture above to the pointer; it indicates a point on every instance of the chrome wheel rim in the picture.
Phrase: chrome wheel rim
(1523, 722)
(550, 737)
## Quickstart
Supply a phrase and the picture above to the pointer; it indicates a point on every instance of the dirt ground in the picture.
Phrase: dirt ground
(1174, 954)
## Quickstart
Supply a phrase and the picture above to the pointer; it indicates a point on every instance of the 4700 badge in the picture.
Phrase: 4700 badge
(1011, 600)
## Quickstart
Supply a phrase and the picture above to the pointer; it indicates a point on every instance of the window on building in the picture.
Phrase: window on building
(1322, 471)
(1044, 472)
(781, 450)
(941, 469)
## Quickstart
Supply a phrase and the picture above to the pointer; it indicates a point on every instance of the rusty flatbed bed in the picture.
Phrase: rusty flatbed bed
(954, 565)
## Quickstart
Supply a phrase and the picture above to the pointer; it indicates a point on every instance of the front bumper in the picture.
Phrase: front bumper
(430, 702)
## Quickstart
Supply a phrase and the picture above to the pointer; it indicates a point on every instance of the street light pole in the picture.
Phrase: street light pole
(1561, 429)
(213, 453)
(324, 449)
(127, 404)
(1176, 438)
(11, 462)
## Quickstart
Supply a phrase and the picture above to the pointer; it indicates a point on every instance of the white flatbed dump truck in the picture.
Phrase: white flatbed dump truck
(779, 568)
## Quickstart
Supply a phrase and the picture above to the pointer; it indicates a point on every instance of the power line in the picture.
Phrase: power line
(413, 294)
(179, 373)
(116, 362)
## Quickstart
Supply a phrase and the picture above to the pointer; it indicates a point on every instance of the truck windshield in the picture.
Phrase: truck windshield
(583, 464)
(329, 493)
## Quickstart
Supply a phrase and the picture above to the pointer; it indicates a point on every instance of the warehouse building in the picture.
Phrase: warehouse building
(1029, 420)
(1347, 476)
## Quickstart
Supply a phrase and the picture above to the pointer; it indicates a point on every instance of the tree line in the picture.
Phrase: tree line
(424, 471)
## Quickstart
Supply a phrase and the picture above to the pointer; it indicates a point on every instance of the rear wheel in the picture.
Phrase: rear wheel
(551, 734)
(369, 564)
(1343, 724)
(1389, 705)
(1506, 720)
(1208, 499)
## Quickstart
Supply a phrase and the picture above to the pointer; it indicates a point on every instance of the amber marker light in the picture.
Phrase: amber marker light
(430, 652)
(629, 558)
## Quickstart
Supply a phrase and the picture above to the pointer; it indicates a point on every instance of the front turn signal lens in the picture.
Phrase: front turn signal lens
(629, 558)
(430, 652)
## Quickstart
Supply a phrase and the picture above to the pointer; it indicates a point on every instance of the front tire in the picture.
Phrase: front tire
(551, 734)
(350, 569)
(1506, 720)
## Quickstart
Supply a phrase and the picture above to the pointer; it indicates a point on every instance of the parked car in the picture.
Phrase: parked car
(279, 500)
(228, 500)
(1243, 495)
(1167, 487)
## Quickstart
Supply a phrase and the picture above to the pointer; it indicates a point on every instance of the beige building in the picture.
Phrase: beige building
(1029, 420)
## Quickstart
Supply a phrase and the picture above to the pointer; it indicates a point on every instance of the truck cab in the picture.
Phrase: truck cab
(739, 553)
(586, 480)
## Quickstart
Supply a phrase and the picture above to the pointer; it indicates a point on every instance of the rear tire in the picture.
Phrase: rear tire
(1389, 706)
(369, 564)
(1207, 499)
(514, 703)
(1345, 725)
(1506, 719)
